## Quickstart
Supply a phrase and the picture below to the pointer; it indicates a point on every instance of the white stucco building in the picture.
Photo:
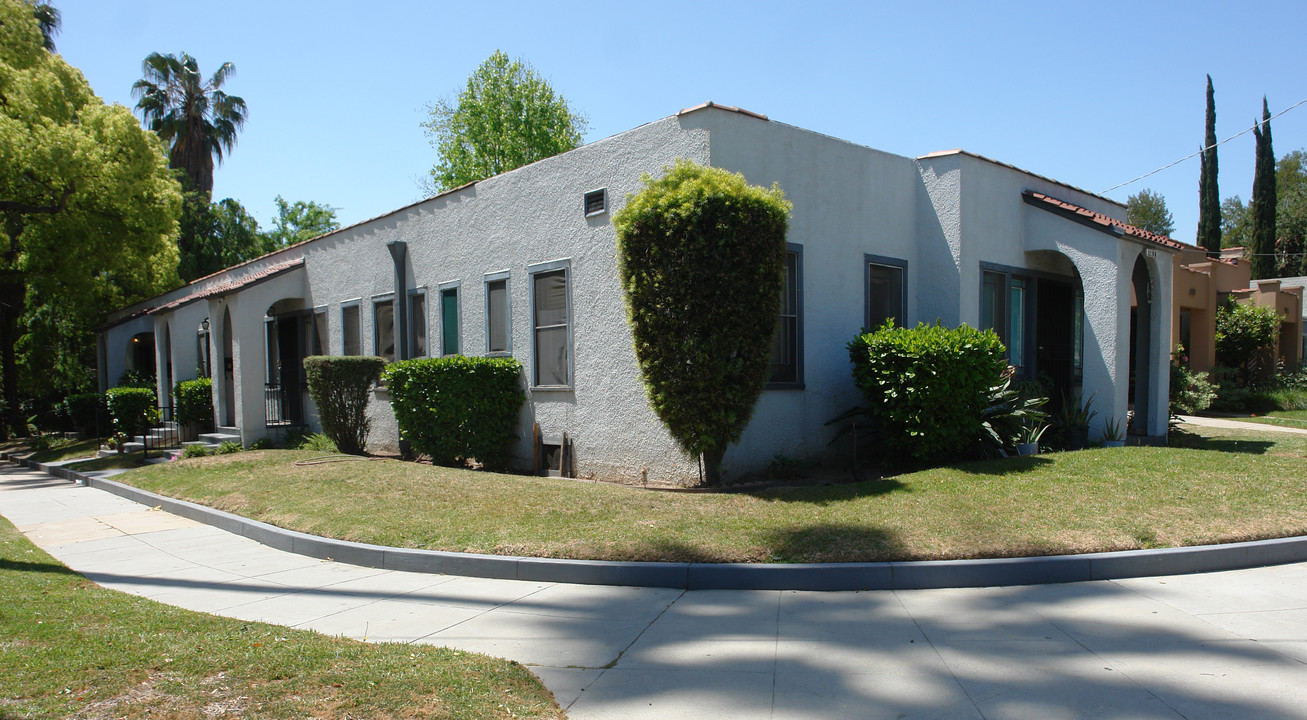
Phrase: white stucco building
(524, 264)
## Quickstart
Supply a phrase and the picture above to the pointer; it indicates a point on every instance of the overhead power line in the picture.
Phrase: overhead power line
(1205, 149)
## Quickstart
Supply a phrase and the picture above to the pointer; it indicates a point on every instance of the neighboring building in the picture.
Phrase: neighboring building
(523, 264)
(1202, 284)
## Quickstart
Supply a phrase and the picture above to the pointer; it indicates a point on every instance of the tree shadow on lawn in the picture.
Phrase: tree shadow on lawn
(1005, 466)
(822, 495)
(1191, 441)
(824, 543)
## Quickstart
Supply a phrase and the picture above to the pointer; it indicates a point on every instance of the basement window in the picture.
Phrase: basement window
(596, 202)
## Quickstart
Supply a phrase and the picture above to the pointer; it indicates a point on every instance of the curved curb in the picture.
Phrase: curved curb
(729, 576)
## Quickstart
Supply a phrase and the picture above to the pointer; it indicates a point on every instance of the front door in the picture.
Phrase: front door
(1055, 336)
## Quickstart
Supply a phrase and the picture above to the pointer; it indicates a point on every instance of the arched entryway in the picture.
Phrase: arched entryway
(228, 410)
(140, 355)
(1142, 334)
(165, 372)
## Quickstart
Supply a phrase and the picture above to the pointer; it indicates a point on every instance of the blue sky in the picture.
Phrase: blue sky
(1089, 94)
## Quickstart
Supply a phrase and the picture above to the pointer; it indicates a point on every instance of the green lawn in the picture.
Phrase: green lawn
(69, 648)
(1215, 486)
(1282, 418)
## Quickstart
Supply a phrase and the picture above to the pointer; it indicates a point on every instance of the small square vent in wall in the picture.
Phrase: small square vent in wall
(596, 202)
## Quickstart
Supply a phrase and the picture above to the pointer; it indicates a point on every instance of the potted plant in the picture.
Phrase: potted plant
(1113, 436)
(1076, 417)
(1029, 439)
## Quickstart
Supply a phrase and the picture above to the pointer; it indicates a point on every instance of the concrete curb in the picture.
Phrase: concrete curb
(728, 576)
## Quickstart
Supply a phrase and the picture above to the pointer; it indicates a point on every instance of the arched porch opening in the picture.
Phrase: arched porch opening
(140, 355)
(289, 337)
(1143, 332)
(228, 404)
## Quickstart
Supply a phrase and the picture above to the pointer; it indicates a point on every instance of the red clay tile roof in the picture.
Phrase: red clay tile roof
(230, 286)
(1105, 223)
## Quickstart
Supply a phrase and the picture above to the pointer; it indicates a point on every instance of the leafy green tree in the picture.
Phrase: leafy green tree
(1243, 332)
(1209, 194)
(1235, 223)
(701, 256)
(1263, 202)
(299, 221)
(507, 116)
(1291, 214)
(88, 208)
(221, 234)
(193, 115)
(1146, 210)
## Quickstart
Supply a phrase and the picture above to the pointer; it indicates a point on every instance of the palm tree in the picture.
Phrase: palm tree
(191, 114)
(48, 17)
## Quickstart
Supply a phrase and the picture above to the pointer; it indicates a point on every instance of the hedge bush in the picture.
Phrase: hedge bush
(928, 388)
(87, 412)
(341, 387)
(457, 408)
(701, 256)
(131, 408)
(194, 402)
(1244, 333)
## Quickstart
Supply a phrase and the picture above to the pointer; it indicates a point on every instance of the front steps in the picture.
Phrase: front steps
(157, 436)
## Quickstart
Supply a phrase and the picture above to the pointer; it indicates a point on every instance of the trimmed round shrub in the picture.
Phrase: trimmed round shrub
(701, 255)
(928, 388)
(341, 387)
(194, 402)
(457, 408)
(131, 408)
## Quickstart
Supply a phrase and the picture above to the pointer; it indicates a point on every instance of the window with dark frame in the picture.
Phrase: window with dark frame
(497, 319)
(787, 345)
(384, 330)
(351, 334)
(417, 324)
(551, 316)
(449, 321)
(885, 294)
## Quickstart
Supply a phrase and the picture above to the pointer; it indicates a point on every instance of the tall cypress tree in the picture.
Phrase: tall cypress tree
(1209, 196)
(1263, 203)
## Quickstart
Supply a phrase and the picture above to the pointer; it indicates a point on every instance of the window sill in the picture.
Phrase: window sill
(783, 386)
(551, 388)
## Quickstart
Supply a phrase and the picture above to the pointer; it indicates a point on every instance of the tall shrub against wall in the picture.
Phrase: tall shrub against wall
(1244, 334)
(928, 387)
(702, 260)
(131, 409)
(457, 408)
(341, 387)
(194, 405)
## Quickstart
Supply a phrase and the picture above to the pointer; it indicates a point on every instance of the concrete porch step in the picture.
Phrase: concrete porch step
(220, 437)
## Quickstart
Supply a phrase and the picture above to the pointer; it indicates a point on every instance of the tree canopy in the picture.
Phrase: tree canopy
(506, 117)
(1146, 210)
(193, 115)
(299, 221)
(88, 210)
(701, 256)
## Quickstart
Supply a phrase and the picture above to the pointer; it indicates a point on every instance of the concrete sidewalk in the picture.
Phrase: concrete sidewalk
(1221, 645)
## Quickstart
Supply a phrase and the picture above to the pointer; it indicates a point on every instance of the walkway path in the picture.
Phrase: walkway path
(1237, 424)
(1223, 645)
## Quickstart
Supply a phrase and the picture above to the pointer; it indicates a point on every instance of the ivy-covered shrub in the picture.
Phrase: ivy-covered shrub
(194, 403)
(131, 408)
(928, 388)
(1244, 333)
(87, 412)
(701, 255)
(340, 387)
(457, 408)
